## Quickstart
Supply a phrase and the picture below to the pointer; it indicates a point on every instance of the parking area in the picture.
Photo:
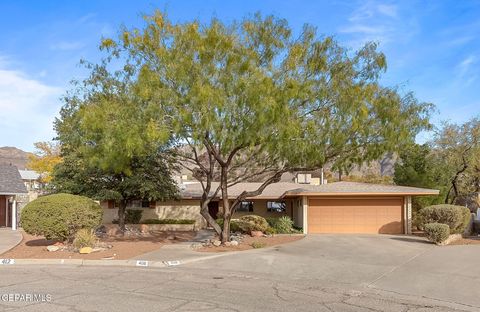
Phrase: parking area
(403, 264)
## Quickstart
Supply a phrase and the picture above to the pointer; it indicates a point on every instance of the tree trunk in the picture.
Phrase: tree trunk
(210, 220)
(227, 213)
(121, 215)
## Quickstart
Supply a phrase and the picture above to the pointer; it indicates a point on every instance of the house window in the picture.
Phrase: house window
(145, 203)
(245, 206)
(276, 206)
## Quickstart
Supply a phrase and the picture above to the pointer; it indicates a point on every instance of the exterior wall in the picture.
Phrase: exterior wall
(298, 213)
(408, 214)
(183, 209)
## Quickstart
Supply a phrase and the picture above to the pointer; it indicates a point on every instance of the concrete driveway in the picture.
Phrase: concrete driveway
(9, 239)
(399, 264)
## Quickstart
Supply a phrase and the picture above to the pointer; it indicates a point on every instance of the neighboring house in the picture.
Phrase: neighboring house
(33, 183)
(340, 207)
(12, 195)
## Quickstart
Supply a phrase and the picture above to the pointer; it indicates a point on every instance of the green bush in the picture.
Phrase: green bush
(282, 225)
(250, 223)
(60, 216)
(85, 238)
(456, 217)
(271, 231)
(437, 232)
(168, 221)
(258, 245)
(234, 227)
(133, 216)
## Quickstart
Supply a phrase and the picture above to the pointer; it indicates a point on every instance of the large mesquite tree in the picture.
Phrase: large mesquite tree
(254, 98)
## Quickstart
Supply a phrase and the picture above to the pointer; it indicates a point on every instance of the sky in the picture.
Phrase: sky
(432, 48)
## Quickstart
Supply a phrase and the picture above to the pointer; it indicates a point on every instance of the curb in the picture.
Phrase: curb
(113, 263)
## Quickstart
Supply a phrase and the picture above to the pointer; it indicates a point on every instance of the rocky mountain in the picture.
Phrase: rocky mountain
(14, 156)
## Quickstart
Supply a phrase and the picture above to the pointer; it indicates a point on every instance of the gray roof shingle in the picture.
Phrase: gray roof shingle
(10, 181)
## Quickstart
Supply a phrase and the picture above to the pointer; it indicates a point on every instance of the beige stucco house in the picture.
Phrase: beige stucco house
(339, 207)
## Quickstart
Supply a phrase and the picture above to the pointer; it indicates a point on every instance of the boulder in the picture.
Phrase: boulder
(234, 243)
(86, 250)
(53, 248)
(228, 244)
(256, 233)
(216, 243)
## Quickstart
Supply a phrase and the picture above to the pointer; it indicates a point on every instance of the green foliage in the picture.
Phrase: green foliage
(251, 223)
(282, 225)
(437, 232)
(234, 225)
(85, 238)
(133, 216)
(270, 231)
(168, 221)
(60, 216)
(258, 245)
(252, 95)
(456, 217)
(417, 167)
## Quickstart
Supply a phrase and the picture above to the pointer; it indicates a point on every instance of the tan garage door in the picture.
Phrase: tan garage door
(355, 215)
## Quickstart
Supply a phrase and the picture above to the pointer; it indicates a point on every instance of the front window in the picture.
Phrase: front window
(245, 206)
(276, 206)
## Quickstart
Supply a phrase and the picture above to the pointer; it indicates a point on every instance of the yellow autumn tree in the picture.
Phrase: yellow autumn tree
(46, 156)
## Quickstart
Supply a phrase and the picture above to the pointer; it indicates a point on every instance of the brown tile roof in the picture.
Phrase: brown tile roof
(356, 188)
(10, 181)
(286, 189)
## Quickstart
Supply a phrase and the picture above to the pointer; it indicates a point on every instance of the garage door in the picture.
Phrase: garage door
(356, 215)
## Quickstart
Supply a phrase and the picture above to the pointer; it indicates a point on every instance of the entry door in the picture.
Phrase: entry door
(3, 211)
(213, 209)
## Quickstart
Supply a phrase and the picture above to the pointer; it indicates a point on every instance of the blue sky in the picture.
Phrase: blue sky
(432, 48)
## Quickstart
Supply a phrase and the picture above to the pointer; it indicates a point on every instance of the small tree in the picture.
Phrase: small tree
(112, 147)
(46, 156)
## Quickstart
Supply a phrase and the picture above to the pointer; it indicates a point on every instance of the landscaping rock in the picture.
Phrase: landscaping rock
(228, 244)
(233, 243)
(144, 228)
(86, 250)
(53, 248)
(217, 243)
(196, 245)
(171, 237)
(256, 233)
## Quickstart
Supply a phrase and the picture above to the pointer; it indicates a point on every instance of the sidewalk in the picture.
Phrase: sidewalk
(9, 239)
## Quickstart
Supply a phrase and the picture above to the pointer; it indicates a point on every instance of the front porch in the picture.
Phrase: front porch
(9, 211)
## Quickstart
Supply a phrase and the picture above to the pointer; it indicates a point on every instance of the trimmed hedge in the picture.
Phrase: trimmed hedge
(60, 216)
(233, 225)
(168, 221)
(456, 217)
(437, 232)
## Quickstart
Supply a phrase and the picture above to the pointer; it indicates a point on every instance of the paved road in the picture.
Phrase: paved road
(190, 289)
(319, 273)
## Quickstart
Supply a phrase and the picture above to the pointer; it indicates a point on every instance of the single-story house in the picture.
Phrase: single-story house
(339, 207)
(11, 188)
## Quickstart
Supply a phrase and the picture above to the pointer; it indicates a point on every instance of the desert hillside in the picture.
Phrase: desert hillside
(14, 156)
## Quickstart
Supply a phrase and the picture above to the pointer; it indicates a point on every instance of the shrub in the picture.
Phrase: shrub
(271, 231)
(250, 223)
(234, 225)
(284, 225)
(272, 221)
(60, 216)
(258, 245)
(133, 216)
(85, 238)
(437, 232)
(168, 221)
(456, 217)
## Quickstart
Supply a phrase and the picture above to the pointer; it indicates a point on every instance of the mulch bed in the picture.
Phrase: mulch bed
(246, 243)
(123, 248)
